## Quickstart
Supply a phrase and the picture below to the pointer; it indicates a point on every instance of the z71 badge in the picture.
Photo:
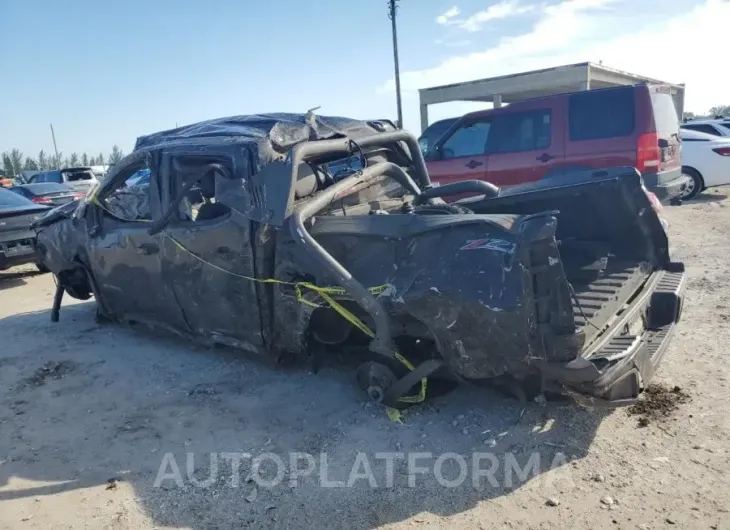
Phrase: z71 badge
(500, 245)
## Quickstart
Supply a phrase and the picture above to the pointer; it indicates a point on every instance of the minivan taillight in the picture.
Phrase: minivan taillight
(722, 151)
(647, 153)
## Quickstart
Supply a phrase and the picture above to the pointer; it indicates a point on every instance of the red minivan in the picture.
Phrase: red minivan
(550, 136)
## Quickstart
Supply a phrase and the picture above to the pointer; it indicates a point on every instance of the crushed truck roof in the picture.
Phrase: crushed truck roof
(279, 131)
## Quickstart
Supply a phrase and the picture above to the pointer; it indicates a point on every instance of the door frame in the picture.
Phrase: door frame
(227, 288)
(103, 224)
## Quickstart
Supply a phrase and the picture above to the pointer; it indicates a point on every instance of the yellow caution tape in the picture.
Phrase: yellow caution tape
(394, 415)
(325, 293)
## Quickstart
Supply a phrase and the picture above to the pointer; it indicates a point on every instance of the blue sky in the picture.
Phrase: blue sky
(106, 72)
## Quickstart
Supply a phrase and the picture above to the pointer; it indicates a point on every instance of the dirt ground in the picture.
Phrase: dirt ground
(89, 413)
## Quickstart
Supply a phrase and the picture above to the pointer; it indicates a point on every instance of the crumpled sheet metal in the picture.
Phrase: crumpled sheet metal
(281, 131)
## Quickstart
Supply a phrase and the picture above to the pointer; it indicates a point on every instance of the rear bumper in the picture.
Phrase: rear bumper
(667, 186)
(8, 259)
(596, 382)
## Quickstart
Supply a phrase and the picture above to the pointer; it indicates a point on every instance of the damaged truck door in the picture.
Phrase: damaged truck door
(124, 257)
(218, 301)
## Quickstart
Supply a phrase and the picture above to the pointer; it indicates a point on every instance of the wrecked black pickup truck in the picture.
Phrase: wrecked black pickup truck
(295, 235)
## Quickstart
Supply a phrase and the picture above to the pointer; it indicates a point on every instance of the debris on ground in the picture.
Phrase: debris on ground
(50, 370)
(251, 497)
(658, 401)
(552, 501)
(111, 484)
(202, 390)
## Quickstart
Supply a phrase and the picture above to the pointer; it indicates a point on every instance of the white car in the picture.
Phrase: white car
(715, 127)
(706, 159)
(80, 179)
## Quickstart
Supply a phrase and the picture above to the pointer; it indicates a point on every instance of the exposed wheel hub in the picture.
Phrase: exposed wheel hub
(376, 393)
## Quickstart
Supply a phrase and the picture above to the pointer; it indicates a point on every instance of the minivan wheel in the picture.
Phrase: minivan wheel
(694, 186)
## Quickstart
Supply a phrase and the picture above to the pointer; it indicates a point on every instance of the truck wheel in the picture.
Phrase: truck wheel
(375, 379)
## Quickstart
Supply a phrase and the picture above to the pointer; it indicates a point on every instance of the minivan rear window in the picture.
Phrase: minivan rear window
(665, 114)
(596, 114)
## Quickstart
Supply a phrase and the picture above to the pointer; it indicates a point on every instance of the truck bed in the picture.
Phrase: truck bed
(596, 300)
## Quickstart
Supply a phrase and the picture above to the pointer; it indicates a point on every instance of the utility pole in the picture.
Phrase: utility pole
(53, 135)
(392, 9)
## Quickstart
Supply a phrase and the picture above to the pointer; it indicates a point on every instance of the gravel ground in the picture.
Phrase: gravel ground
(89, 414)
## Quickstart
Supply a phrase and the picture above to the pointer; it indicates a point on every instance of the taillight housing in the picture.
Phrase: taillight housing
(42, 200)
(79, 195)
(722, 151)
(647, 153)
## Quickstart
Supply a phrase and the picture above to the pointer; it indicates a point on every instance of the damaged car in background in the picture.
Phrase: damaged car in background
(17, 239)
(562, 285)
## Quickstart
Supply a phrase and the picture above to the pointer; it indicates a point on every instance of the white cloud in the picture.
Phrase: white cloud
(504, 9)
(560, 26)
(677, 49)
(452, 43)
(457, 43)
(447, 17)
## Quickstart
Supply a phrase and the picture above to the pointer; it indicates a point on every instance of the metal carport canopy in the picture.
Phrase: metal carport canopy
(537, 83)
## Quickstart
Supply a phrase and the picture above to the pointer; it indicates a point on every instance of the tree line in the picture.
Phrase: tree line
(719, 110)
(14, 161)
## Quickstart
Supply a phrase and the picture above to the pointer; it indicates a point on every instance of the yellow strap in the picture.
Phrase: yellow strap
(324, 292)
(394, 415)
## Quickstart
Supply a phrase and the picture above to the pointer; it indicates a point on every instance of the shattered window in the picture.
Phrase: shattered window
(190, 205)
(130, 201)
(199, 203)
(77, 175)
(140, 177)
(345, 167)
